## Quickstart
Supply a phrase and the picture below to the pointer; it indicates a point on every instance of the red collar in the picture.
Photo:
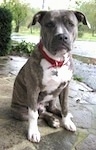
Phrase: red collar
(54, 62)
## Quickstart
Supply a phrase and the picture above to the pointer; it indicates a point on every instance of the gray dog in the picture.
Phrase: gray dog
(46, 75)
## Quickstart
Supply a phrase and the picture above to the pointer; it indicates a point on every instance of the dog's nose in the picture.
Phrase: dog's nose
(62, 37)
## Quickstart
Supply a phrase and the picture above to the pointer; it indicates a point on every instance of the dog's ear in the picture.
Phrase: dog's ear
(37, 18)
(81, 18)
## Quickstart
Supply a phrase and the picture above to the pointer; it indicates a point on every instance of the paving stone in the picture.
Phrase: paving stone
(29, 148)
(62, 140)
(91, 98)
(76, 85)
(88, 144)
(12, 133)
(82, 118)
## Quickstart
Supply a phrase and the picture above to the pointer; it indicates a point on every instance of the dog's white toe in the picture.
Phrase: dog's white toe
(68, 124)
(56, 123)
(34, 136)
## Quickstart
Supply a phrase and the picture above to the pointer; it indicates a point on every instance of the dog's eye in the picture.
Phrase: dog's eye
(50, 24)
(71, 23)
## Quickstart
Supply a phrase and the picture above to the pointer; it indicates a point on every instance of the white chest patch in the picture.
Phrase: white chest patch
(53, 77)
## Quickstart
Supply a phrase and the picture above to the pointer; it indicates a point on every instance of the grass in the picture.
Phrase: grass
(77, 78)
(33, 31)
(87, 37)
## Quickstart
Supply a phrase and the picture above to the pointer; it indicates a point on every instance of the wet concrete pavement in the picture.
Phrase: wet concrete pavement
(87, 73)
(85, 48)
(13, 133)
(10, 65)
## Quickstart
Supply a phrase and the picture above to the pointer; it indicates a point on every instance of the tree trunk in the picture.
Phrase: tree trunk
(43, 4)
(17, 28)
(93, 32)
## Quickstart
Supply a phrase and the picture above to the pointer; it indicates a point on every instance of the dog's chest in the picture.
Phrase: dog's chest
(53, 77)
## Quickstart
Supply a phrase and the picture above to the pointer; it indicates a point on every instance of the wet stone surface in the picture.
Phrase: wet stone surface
(52, 142)
(11, 65)
(87, 72)
(88, 144)
(82, 105)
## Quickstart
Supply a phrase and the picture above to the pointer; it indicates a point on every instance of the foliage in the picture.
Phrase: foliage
(22, 13)
(89, 9)
(19, 12)
(5, 30)
(23, 48)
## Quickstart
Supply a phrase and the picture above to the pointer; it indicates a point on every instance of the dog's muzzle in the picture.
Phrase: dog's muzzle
(61, 42)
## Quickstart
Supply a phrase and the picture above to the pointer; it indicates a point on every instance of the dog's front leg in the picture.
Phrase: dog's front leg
(33, 132)
(66, 117)
(32, 96)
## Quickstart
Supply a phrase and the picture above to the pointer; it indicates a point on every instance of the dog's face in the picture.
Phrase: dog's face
(59, 29)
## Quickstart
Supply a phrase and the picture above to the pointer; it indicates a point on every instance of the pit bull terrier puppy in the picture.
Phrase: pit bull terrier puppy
(46, 75)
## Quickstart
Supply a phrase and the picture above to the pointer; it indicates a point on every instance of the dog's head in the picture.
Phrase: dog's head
(59, 29)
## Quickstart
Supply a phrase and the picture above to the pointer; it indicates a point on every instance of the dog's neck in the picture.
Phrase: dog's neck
(56, 61)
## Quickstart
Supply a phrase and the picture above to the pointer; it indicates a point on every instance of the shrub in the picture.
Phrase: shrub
(5, 30)
(22, 48)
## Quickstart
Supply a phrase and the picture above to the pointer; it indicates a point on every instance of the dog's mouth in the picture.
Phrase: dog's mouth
(60, 44)
(62, 48)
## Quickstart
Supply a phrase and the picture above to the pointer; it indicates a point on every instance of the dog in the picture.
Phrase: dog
(45, 77)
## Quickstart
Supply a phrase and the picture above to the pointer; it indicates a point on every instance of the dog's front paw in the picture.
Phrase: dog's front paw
(68, 124)
(34, 136)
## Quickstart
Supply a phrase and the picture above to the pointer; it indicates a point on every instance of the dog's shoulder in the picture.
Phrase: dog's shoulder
(32, 66)
(34, 60)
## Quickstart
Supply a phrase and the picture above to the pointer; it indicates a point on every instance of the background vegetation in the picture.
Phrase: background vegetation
(89, 9)
(5, 30)
(21, 12)
(22, 48)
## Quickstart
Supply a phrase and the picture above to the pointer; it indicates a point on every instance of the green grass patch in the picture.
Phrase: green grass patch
(77, 78)
(26, 31)
(87, 37)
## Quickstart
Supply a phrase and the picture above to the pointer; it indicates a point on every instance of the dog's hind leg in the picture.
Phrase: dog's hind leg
(20, 113)
(50, 119)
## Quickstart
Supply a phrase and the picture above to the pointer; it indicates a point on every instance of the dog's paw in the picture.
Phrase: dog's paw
(34, 136)
(53, 122)
(68, 124)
